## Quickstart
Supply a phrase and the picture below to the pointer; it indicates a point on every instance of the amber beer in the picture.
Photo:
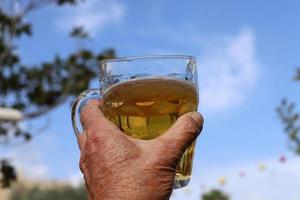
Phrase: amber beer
(145, 108)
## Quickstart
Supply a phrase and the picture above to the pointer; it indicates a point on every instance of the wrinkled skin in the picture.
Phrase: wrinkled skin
(116, 166)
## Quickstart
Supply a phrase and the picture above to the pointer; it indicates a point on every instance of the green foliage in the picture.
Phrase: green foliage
(57, 193)
(37, 89)
(290, 119)
(79, 32)
(215, 195)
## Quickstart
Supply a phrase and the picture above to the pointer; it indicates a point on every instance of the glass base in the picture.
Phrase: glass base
(180, 183)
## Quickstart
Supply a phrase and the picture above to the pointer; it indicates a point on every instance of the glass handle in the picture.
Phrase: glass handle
(78, 105)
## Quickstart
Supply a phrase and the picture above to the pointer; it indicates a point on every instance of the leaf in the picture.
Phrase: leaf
(291, 122)
(86, 54)
(24, 29)
(27, 136)
(79, 32)
(107, 54)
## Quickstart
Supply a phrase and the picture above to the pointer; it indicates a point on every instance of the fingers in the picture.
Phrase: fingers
(91, 114)
(183, 133)
(93, 120)
(81, 139)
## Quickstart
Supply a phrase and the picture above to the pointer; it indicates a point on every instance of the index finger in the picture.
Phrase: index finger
(93, 120)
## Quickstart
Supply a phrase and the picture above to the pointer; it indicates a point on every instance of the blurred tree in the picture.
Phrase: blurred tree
(291, 120)
(8, 173)
(57, 193)
(37, 89)
(215, 195)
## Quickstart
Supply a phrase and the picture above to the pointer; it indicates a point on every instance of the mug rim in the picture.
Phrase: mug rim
(145, 57)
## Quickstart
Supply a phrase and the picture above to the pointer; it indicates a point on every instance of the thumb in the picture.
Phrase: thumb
(183, 133)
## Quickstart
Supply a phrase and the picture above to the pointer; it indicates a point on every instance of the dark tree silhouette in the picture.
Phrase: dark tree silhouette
(290, 119)
(215, 195)
(37, 89)
(9, 173)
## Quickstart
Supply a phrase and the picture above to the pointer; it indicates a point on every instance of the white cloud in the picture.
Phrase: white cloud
(228, 71)
(76, 179)
(30, 165)
(227, 64)
(37, 171)
(94, 15)
(278, 181)
(29, 159)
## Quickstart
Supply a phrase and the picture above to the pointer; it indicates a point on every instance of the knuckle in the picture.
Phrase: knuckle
(94, 139)
(95, 143)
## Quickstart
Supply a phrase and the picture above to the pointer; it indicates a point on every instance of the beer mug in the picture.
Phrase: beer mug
(144, 96)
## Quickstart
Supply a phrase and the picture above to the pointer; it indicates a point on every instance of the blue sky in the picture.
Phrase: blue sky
(246, 51)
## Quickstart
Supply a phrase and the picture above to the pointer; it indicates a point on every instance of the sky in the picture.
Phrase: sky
(247, 53)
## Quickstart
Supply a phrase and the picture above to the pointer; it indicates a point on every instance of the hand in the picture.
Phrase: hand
(119, 167)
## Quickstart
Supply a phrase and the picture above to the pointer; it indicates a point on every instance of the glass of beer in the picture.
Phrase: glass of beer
(144, 96)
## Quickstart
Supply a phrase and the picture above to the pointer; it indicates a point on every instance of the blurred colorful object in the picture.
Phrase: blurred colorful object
(282, 159)
(222, 180)
(242, 174)
(262, 166)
